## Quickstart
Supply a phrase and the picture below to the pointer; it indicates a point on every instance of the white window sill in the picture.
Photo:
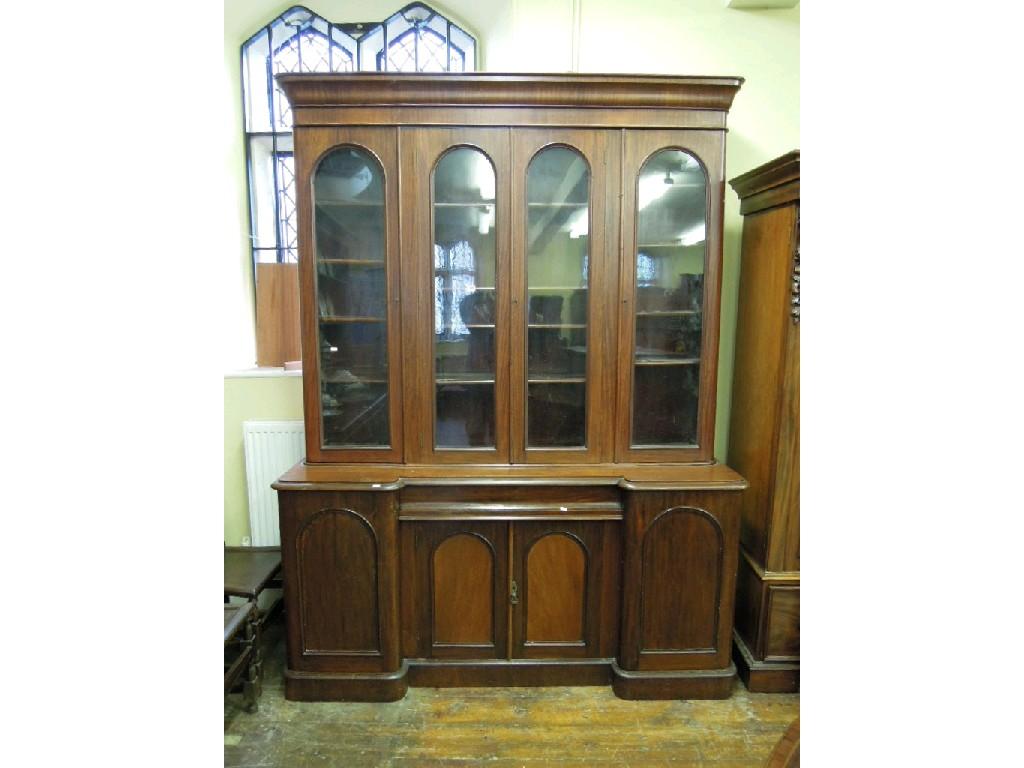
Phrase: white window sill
(261, 373)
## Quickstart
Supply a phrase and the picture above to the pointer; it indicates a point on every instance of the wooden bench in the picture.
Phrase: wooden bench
(242, 653)
(250, 570)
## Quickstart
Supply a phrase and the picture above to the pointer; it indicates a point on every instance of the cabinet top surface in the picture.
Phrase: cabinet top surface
(389, 477)
(506, 89)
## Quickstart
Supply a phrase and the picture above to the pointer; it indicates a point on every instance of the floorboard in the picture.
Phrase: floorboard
(499, 727)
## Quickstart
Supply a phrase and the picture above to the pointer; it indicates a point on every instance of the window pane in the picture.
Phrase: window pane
(464, 300)
(671, 222)
(255, 53)
(272, 198)
(557, 244)
(348, 192)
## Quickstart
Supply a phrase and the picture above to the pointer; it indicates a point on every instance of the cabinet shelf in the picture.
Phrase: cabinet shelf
(464, 379)
(668, 313)
(556, 326)
(557, 288)
(556, 379)
(478, 204)
(665, 360)
(334, 203)
(376, 377)
(557, 205)
(336, 319)
(371, 263)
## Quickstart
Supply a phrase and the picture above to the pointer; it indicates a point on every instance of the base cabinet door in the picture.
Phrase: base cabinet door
(454, 589)
(341, 590)
(679, 579)
(564, 596)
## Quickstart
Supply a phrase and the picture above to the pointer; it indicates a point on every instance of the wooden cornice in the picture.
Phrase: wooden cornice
(392, 89)
(774, 173)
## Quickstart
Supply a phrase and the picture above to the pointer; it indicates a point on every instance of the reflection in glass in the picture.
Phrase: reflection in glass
(557, 244)
(348, 192)
(464, 300)
(670, 253)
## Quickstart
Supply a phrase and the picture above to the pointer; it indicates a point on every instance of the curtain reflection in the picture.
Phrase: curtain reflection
(454, 283)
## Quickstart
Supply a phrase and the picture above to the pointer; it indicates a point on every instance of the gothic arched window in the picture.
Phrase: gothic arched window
(415, 39)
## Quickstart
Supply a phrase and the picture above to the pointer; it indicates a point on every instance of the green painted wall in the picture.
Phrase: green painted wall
(278, 397)
(692, 37)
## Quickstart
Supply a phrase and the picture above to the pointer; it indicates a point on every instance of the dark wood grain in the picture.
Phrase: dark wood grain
(782, 640)
(677, 609)
(383, 89)
(384, 477)
(761, 334)
(463, 591)
(565, 571)
(451, 607)
(674, 616)
(764, 435)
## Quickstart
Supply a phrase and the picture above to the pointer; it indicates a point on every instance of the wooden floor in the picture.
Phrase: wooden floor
(522, 727)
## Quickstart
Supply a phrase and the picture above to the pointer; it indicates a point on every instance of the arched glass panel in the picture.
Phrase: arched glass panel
(557, 254)
(348, 195)
(670, 254)
(464, 300)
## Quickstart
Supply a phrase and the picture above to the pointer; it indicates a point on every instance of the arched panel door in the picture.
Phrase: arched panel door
(454, 589)
(566, 590)
(564, 239)
(456, 235)
(683, 556)
(338, 584)
(462, 590)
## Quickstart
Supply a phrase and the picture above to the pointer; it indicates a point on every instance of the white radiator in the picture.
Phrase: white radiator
(271, 448)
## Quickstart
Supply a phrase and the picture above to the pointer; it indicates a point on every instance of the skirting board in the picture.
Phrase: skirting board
(764, 676)
(433, 673)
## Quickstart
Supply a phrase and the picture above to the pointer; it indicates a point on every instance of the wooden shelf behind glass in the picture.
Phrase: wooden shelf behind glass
(336, 319)
(354, 262)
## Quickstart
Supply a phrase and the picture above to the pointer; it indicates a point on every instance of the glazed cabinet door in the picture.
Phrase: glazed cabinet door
(564, 271)
(349, 265)
(564, 596)
(669, 287)
(455, 230)
(455, 589)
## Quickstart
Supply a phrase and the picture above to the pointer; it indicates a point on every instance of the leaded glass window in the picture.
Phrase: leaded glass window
(415, 39)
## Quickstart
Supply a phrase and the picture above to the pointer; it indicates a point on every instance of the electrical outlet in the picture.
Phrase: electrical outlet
(246, 541)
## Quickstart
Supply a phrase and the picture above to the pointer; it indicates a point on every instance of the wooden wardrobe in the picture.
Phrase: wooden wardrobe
(510, 292)
(764, 434)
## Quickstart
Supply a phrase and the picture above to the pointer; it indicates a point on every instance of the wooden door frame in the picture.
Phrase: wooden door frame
(708, 147)
(312, 145)
(419, 150)
(600, 150)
